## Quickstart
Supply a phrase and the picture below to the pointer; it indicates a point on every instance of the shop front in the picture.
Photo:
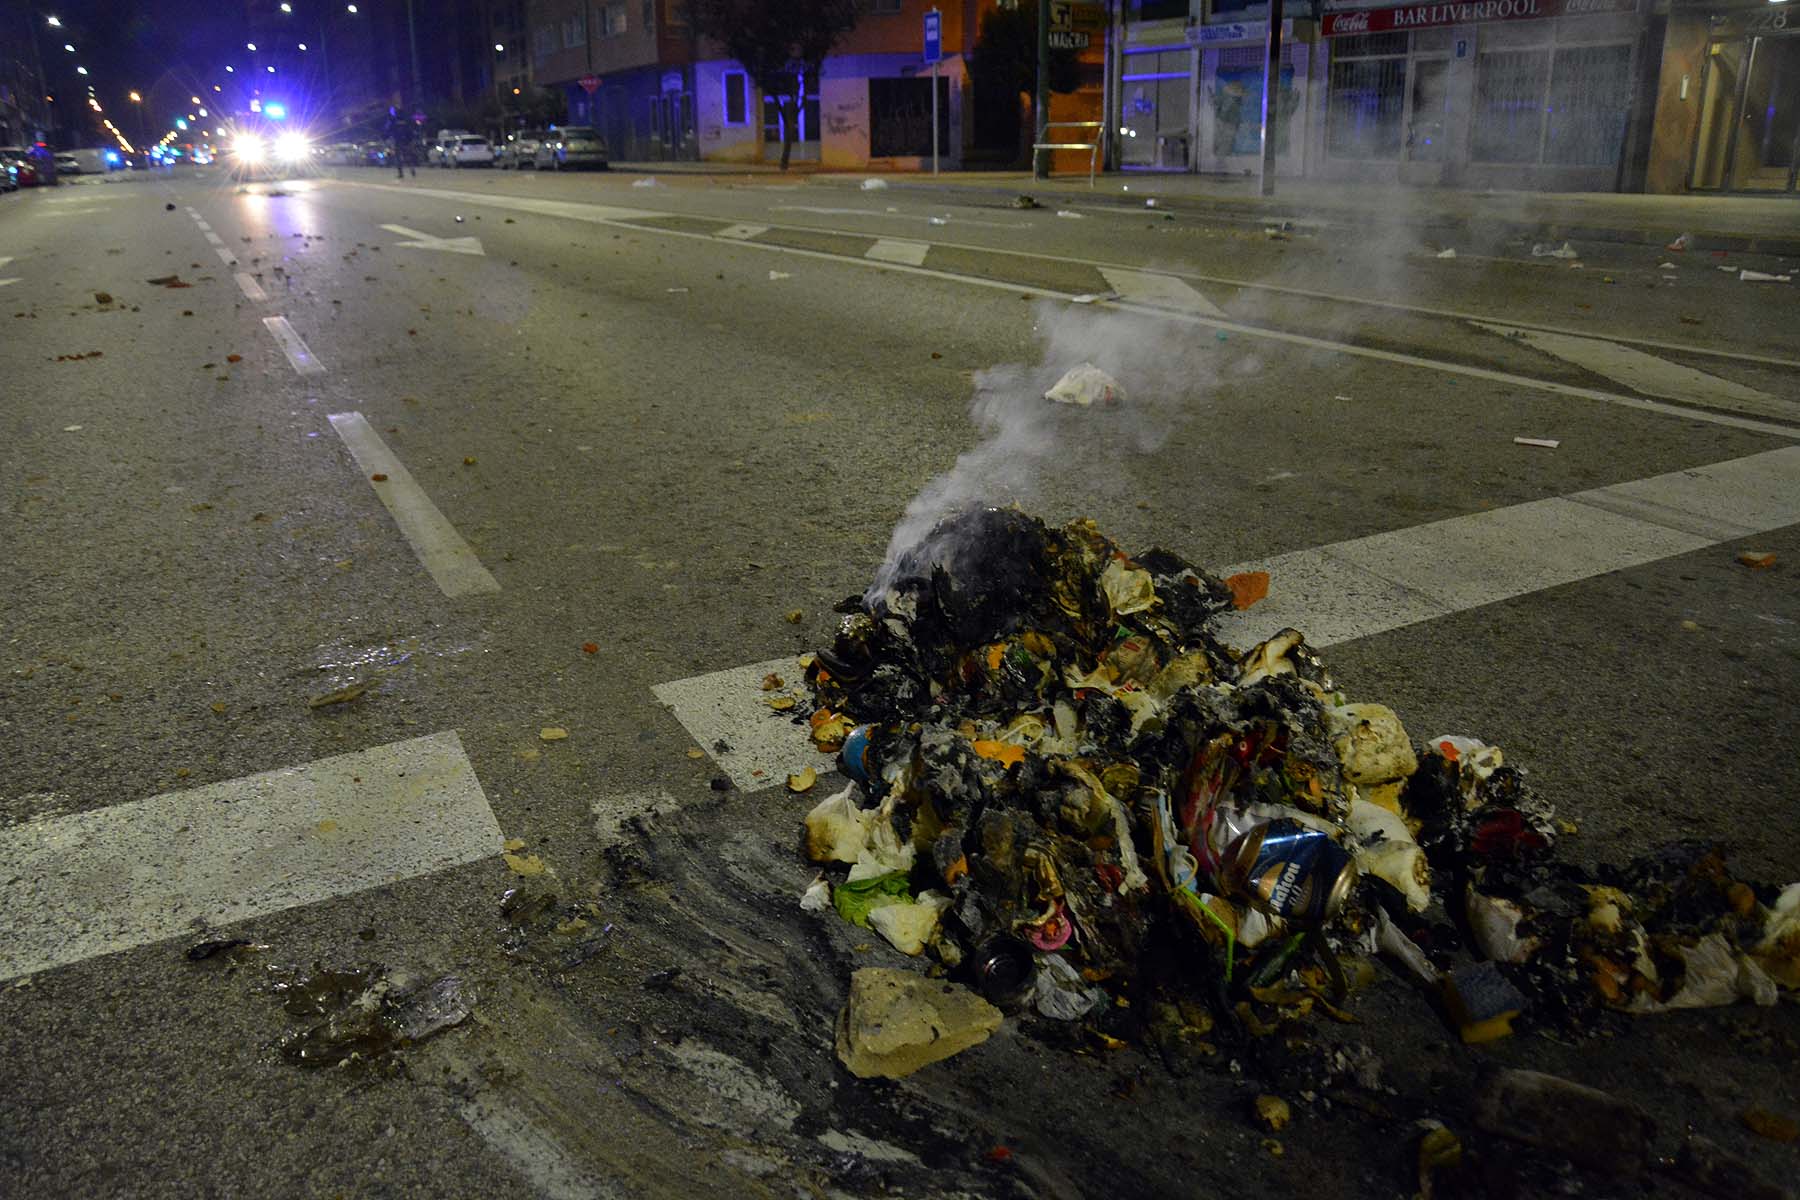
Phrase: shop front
(1515, 94)
(1747, 133)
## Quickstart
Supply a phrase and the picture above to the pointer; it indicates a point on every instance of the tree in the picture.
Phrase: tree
(1005, 62)
(778, 42)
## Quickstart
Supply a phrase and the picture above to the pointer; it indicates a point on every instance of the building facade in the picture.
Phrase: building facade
(638, 72)
(1728, 100)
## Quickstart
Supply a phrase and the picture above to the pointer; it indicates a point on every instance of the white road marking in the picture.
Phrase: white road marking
(443, 553)
(1164, 291)
(203, 225)
(426, 241)
(1364, 586)
(72, 212)
(896, 250)
(1648, 374)
(5, 258)
(302, 359)
(83, 199)
(531, 1150)
(731, 707)
(215, 239)
(741, 233)
(112, 879)
(252, 290)
(225, 256)
(602, 215)
(4, 282)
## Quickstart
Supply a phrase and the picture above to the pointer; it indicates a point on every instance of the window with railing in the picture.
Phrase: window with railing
(1366, 97)
(1555, 105)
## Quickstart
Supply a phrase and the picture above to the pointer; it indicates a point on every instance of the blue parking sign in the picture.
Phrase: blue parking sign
(934, 45)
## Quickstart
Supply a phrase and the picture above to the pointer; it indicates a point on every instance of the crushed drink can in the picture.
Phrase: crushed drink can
(1287, 869)
(859, 760)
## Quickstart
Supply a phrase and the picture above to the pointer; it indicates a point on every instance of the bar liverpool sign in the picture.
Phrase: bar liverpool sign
(1461, 12)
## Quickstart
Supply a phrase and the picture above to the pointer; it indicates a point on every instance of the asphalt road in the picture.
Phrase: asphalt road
(651, 421)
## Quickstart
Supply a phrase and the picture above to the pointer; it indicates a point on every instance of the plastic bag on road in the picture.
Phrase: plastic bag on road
(1087, 385)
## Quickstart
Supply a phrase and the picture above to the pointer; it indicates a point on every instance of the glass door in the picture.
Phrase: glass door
(1748, 138)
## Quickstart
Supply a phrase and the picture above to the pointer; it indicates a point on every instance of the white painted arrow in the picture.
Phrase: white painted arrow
(425, 241)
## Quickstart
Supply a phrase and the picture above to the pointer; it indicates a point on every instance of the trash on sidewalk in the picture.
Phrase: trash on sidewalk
(1086, 385)
(1546, 250)
(897, 1021)
(874, 185)
(1447, 253)
(1756, 560)
(1748, 276)
(1546, 443)
(1058, 771)
(1583, 1124)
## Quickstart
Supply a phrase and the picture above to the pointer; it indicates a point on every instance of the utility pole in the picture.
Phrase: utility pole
(412, 40)
(1270, 105)
(1040, 109)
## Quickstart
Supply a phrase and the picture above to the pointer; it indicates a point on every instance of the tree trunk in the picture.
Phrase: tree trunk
(786, 106)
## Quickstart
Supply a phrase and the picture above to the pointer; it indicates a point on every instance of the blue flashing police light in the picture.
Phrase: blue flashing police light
(275, 110)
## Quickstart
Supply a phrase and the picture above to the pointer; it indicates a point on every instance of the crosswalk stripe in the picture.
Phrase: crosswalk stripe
(97, 882)
(1165, 291)
(292, 345)
(898, 250)
(741, 233)
(1361, 587)
(1647, 373)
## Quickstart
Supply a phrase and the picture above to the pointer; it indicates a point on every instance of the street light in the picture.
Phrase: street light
(53, 23)
(250, 46)
(287, 8)
(68, 47)
(302, 45)
(81, 70)
(350, 8)
(194, 99)
(499, 48)
(136, 99)
(230, 70)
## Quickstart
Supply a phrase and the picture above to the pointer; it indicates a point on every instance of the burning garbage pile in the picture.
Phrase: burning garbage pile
(1075, 797)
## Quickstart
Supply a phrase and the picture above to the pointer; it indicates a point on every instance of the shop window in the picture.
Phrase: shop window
(737, 98)
(574, 31)
(615, 19)
(1590, 88)
(1366, 100)
(1509, 106)
(900, 116)
(1153, 108)
(1237, 102)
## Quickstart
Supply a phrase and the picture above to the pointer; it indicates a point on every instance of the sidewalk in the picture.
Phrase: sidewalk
(1746, 224)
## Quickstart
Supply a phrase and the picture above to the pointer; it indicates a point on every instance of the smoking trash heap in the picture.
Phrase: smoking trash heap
(1068, 790)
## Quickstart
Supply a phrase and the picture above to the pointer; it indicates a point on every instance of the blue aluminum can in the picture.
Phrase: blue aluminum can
(1288, 869)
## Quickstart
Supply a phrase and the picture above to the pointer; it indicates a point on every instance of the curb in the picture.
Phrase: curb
(1253, 212)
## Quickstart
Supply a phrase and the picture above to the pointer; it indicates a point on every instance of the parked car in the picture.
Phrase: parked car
(437, 153)
(572, 146)
(519, 150)
(375, 154)
(468, 150)
(9, 177)
(32, 166)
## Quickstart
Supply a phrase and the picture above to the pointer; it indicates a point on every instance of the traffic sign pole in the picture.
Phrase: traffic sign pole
(934, 50)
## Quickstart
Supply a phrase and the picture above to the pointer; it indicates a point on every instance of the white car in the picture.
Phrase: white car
(572, 146)
(519, 150)
(468, 151)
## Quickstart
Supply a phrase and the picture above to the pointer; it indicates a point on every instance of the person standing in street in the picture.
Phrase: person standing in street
(400, 136)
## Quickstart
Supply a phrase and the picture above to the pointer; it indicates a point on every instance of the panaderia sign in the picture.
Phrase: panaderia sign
(1462, 12)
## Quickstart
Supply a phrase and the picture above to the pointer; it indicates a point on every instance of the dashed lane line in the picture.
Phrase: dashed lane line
(225, 256)
(742, 233)
(291, 345)
(898, 250)
(1361, 587)
(112, 879)
(204, 227)
(252, 290)
(215, 239)
(1166, 291)
(449, 560)
(602, 215)
(1647, 373)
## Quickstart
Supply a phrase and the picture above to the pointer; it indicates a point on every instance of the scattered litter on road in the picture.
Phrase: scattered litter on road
(1546, 250)
(72, 428)
(803, 781)
(343, 695)
(1086, 385)
(365, 1014)
(1247, 587)
(552, 733)
(937, 220)
(1546, 443)
(676, 291)
(874, 185)
(647, 182)
(168, 208)
(1681, 243)
(168, 281)
(103, 298)
(1068, 214)
(1093, 297)
(1667, 266)
(1756, 560)
(1450, 253)
(775, 275)
(1748, 276)
(1024, 201)
(896, 1022)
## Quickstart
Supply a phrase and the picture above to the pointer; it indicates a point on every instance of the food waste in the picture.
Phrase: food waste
(1069, 793)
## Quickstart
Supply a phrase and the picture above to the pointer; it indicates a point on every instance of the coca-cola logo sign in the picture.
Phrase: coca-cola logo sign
(1462, 12)
(1354, 22)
